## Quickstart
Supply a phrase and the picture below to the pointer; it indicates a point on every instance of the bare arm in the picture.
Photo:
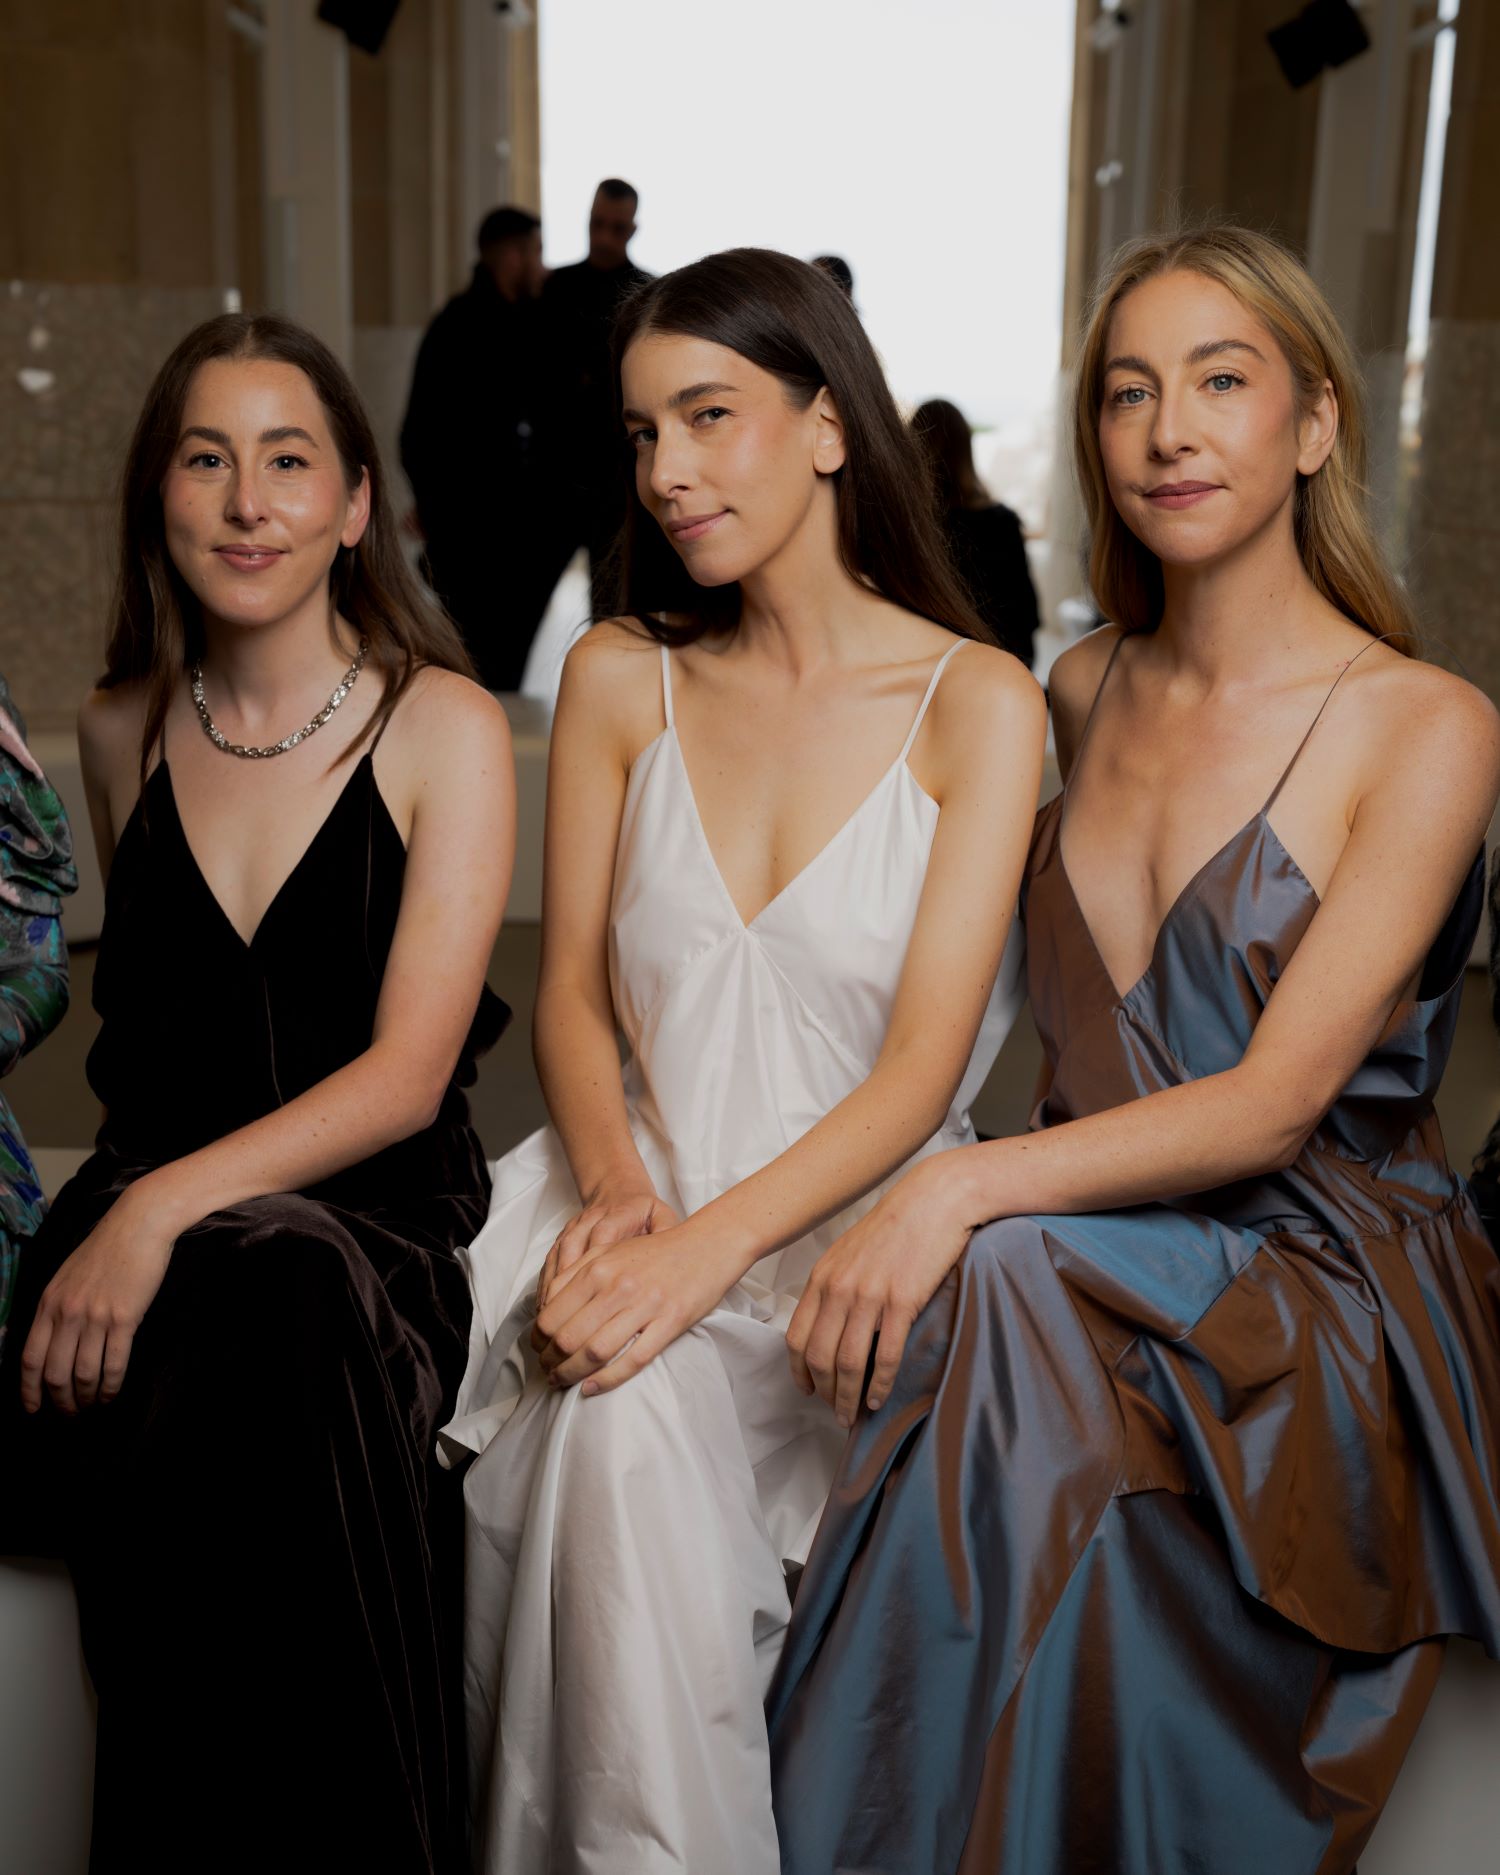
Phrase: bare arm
(1414, 835)
(574, 1025)
(457, 875)
(458, 869)
(1413, 839)
(991, 732)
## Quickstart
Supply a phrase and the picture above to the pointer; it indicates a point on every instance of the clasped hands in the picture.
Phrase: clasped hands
(627, 1277)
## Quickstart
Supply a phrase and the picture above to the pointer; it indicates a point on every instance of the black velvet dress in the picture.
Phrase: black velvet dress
(267, 1557)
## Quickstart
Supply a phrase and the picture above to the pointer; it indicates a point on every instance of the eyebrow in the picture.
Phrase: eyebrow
(1210, 348)
(688, 395)
(286, 433)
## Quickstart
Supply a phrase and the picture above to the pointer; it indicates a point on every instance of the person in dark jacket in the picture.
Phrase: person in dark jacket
(584, 445)
(468, 448)
(985, 536)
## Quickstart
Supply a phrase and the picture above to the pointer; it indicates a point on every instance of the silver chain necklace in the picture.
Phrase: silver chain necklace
(220, 741)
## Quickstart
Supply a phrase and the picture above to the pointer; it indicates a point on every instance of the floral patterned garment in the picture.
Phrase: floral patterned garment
(36, 869)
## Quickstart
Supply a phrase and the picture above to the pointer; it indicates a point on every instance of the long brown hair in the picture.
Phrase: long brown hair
(943, 431)
(790, 319)
(157, 627)
(1331, 517)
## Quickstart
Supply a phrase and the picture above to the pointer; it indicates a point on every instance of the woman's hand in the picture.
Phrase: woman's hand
(86, 1321)
(642, 1294)
(609, 1219)
(877, 1278)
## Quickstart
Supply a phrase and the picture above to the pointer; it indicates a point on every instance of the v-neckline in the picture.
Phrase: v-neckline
(1259, 822)
(748, 924)
(247, 944)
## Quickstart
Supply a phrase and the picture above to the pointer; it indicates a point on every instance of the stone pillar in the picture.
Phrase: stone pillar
(113, 243)
(1367, 174)
(308, 207)
(1455, 520)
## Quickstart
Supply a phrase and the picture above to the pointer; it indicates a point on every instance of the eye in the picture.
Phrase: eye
(1223, 381)
(206, 459)
(713, 410)
(1129, 395)
(288, 462)
(638, 438)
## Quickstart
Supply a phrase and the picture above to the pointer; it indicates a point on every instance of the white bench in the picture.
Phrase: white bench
(1444, 1818)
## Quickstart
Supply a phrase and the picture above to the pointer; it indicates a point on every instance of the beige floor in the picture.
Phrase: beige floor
(58, 1114)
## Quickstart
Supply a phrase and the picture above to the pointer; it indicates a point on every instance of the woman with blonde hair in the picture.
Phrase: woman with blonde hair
(1142, 1556)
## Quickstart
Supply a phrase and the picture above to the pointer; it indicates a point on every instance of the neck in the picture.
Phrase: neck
(802, 608)
(261, 674)
(1231, 620)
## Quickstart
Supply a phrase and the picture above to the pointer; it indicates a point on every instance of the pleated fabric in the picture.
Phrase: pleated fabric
(266, 1554)
(1146, 1564)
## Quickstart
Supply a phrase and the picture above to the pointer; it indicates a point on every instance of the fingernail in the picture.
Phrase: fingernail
(845, 1421)
(589, 1389)
(877, 1400)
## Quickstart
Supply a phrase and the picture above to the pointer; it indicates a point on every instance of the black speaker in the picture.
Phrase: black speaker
(364, 23)
(1327, 32)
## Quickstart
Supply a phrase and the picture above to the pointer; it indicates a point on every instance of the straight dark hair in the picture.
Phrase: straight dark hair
(157, 627)
(790, 319)
(943, 431)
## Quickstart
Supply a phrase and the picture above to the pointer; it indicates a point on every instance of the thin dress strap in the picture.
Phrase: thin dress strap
(942, 665)
(1088, 721)
(1296, 753)
(666, 684)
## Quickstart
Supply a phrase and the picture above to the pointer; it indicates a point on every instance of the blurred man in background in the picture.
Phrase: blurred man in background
(468, 446)
(584, 446)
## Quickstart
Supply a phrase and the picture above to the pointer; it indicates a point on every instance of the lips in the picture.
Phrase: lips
(249, 558)
(695, 526)
(1180, 494)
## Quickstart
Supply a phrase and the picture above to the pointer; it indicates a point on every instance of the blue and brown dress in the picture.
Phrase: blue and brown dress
(1146, 1563)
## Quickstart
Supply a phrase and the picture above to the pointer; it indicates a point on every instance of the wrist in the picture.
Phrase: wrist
(163, 1202)
(956, 1184)
(617, 1183)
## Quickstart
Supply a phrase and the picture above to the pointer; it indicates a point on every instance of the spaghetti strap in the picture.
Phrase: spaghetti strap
(666, 685)
(942, 665)
(1296, 753)
(1088, 721)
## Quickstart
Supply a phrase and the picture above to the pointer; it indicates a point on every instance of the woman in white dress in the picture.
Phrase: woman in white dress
(782, 858)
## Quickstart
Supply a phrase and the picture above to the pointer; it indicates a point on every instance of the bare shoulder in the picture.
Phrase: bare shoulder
(984, 734)
(110, 726)
(1073, 684)
(985, 687)
(613, 676)
(1074, 679)
(1426, 724)
(446, 720)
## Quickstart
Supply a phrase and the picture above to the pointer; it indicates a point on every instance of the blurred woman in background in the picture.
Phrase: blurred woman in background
(985, 536)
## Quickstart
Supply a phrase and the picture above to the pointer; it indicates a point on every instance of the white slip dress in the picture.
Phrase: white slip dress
(626, 1590)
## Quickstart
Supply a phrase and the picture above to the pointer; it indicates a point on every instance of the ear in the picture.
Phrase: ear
(1317, 431)
(828, 434)
(358, 518)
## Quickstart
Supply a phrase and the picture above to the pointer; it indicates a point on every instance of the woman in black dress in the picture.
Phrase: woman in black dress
(242, 1322)
(985, 536)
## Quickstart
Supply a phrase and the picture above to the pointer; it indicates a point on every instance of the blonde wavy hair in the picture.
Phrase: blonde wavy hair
(1331, 516)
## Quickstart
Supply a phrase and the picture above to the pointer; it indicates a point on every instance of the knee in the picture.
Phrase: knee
(276, 1273)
